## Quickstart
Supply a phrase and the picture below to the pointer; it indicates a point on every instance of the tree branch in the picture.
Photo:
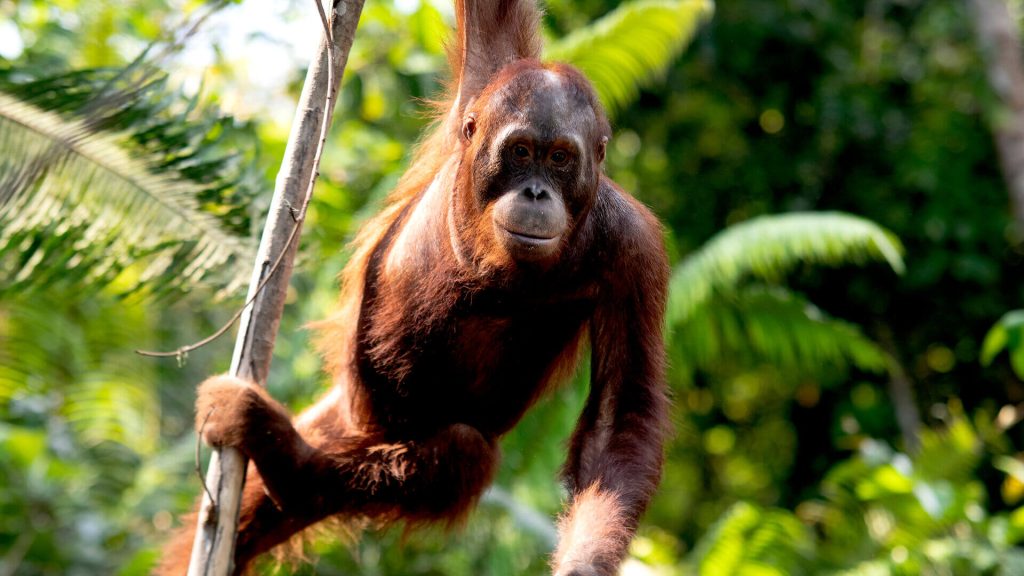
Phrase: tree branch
(213, 548)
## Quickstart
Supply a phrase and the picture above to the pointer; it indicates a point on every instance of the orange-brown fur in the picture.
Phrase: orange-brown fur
(451, 325)
(594, 532)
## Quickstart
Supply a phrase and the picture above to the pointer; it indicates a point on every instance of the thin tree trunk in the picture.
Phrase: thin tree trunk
(213, 548)
(901, 393)
(999, 38)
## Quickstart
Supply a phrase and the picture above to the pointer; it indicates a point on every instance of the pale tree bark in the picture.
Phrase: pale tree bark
(213, 548)
(999, 39)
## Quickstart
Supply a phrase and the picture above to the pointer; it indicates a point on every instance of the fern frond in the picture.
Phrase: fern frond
(769, 246)
(775, 326)
(631, 46)
(75, 207)
(750, 540)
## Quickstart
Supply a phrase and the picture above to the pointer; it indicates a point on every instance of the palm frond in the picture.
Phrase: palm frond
(75, 206)
(769, 246)
(111, 407)
(182, 135)
(111, 398)
(773, 325)
(631, 46)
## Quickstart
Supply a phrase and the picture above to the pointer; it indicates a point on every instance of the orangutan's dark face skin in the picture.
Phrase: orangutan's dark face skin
(535, 161)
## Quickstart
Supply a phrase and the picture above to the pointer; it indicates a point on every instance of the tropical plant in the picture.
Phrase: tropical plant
(745, 540)
(81, 458)
(629, 47)
(881, 512)
(1007, 334)
(111, 184)
(129, 187)
(727, 303)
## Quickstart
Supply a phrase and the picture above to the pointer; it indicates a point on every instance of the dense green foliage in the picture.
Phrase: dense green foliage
(843, 254)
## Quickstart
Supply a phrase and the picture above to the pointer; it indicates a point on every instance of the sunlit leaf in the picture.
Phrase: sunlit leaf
(1011, 466)
(751, 540)
(949, 453)
(631, 46)
(75, 207)
(1007, 334)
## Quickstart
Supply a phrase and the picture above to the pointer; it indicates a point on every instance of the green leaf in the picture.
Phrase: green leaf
(773, 325)
(107, 408)
(769, 246)
(884, 481)
(76, 208)
(22, 445)
(950, 454)
(1006, 334)
(140, 564)
(994, 343)
(630, 46)
(750, 540)
(72, 361)
(1011, 466)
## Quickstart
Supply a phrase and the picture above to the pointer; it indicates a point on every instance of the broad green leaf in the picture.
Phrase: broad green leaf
(994, 343)
(1007, 334)
(1010, 466)
(21, 444)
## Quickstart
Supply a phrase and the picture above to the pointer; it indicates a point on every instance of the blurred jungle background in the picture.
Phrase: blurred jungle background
(846, 348)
